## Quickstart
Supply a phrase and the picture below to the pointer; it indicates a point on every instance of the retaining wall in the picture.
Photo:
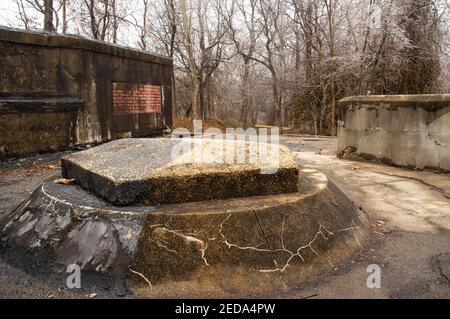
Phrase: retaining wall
(58, 91)
(404, 130)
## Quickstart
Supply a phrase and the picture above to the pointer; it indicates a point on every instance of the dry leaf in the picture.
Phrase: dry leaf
(51, 166)
(64, 181)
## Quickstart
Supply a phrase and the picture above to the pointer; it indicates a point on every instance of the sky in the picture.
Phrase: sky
(7, 12)
(9, 18)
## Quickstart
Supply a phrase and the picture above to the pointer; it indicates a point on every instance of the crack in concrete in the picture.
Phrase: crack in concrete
(435, 188)
(299, 249)
(262, 230)
(323, 232)
(431, 136)
(166, 248)
(201, 245)
(230, 245)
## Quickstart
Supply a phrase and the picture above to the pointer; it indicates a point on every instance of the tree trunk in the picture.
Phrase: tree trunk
(210, 101)
(64, 8)
(277, 101)
(245, 93)
(330, 13)
(333, 108)
(115, 21)
(48, 16)
(201, 91)
(196, 112)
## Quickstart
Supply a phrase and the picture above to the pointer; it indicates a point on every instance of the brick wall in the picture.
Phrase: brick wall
(136, 98)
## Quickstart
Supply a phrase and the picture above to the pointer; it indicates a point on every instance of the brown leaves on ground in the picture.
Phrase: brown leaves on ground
(64, 181)
(29, 169)
(378, 227)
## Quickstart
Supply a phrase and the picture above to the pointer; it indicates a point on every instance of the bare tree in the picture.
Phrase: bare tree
(201, 50)
(23, 14)
(64, 15)
(269, 13)
(284, 62)
(44, 8)
(329, 5)
(48, 16)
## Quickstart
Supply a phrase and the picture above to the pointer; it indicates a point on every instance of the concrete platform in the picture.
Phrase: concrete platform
(248, 245)
(408, 210)
(152, 171)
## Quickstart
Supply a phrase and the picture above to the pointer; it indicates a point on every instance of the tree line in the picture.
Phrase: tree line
(277, 62)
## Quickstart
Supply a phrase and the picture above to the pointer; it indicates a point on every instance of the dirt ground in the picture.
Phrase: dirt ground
(409, 212)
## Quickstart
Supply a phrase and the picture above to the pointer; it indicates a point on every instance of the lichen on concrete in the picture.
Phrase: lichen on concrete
(151, 171)
(229, 245)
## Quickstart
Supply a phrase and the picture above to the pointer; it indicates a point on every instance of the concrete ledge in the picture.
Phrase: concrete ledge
(408, 130)
(428, 101)
(225, 248)
(38, 102)
(150, 171)
(78, 42)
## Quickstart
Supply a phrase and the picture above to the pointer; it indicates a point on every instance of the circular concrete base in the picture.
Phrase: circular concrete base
(242, 246)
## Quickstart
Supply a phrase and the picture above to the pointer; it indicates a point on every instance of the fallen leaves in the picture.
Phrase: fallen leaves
(64, 181)
(29, 169)
(377, 227)
(52, 166)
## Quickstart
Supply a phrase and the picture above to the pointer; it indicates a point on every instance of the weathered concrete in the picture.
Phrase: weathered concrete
(61, 225)
(37, 121)
(161, 170)
(39, 64)
(409, 212)
(407, 130)
(247, 245)
(409, 235)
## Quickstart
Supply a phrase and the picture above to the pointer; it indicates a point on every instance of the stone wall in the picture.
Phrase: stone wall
(403, 130)
(57, 91)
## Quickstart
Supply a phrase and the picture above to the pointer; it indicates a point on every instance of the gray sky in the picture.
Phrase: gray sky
(7, 12)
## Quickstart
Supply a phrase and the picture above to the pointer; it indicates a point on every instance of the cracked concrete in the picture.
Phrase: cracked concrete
(410, 217)
(413, 133)
(408, 212)
(247, 245)
(277, 240)
(255, 245)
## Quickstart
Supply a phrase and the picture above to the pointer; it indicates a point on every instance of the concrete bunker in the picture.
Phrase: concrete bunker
(405, 130)
(263, 237)
(57, 91)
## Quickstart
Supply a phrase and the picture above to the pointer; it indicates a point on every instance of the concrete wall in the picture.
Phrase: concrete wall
(44, 67)
(406, 130)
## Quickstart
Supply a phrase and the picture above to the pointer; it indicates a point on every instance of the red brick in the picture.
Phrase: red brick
(136, 98)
